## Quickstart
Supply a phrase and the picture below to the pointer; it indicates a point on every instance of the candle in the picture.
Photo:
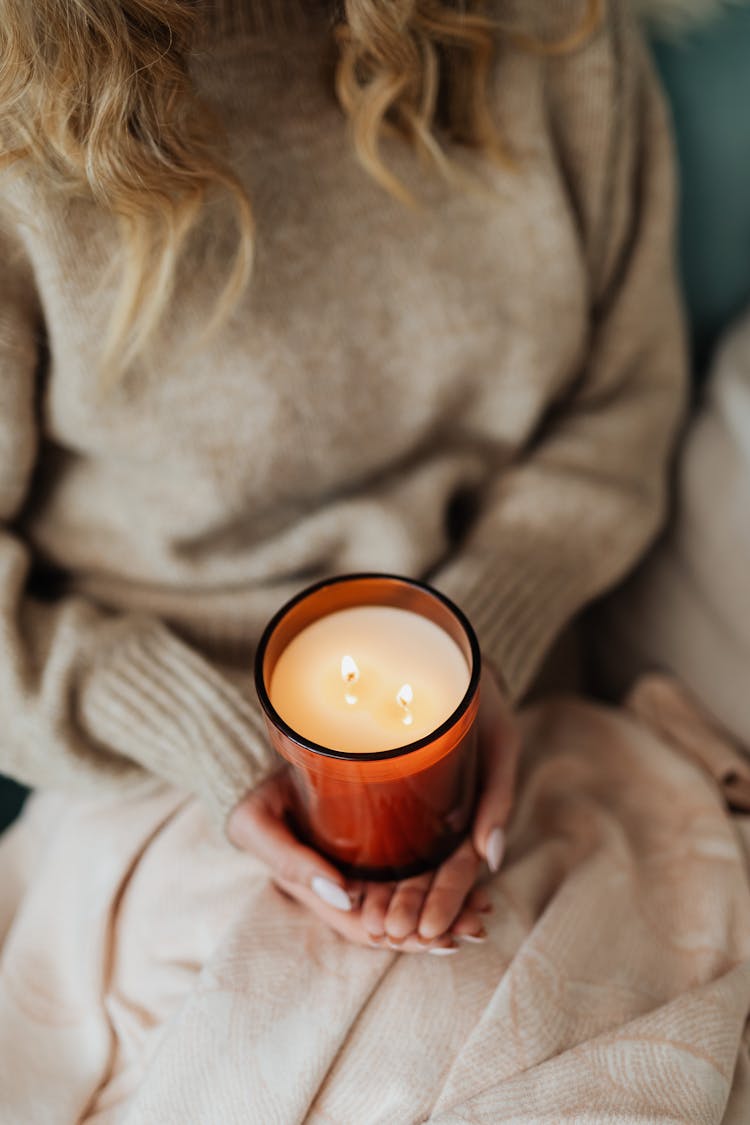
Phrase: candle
(370, 689)
(369, 678)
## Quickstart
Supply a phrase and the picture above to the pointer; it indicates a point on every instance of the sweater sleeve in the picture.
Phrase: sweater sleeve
(571, 516)
(86, 695)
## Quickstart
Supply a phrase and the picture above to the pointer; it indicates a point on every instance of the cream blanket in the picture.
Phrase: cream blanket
(152, 976)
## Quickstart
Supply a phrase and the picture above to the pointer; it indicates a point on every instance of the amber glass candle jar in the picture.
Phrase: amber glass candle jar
(385, 813)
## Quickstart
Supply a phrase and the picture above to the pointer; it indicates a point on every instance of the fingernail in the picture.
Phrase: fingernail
(473, 938)
(443, 950)
(495, 848)
(331, 893)
(425, 935)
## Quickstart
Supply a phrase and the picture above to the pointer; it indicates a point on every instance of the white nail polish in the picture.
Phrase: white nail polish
(472, 938)
(495, 849)
(443, 951)
(331, 893)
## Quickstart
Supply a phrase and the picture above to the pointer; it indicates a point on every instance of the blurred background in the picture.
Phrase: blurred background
(702, 51)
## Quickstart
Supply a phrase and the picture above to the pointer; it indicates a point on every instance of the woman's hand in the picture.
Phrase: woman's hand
(428, 912)
(499, 751)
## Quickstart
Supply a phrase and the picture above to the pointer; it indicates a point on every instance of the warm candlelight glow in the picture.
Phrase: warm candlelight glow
(363, 705)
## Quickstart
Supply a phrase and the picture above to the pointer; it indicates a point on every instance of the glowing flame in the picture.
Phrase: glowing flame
(349, 670)
(350, 675)
(404, 697)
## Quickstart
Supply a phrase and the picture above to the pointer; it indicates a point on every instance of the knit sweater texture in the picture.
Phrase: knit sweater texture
(480, 391)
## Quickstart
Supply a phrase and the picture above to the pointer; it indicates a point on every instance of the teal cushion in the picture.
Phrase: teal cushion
(707, 77)
(12, 797)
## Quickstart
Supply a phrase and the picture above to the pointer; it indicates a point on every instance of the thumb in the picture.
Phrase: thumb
(256, 827)
(499, 750)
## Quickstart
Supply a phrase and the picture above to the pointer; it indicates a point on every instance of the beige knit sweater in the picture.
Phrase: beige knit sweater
(513, 354)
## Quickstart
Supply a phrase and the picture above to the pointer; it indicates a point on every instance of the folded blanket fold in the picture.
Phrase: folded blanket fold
(171, 983)
(670, 709)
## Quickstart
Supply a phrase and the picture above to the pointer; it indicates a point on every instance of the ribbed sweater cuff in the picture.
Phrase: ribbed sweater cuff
(518, 604)
(151, 698)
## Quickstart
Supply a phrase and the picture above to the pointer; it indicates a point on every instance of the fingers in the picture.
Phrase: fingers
(479, 901)
(500, 745)
(405, 907)
(375, 905)
(428, 905)
(467, 929)
(469, 926)
(359, 927)
(448, 891)
(351, 926)
(256, 825)
(467, 917)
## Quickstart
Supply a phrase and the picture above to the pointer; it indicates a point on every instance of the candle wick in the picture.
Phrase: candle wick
(349, 670)
(350, 675)
(404, 697)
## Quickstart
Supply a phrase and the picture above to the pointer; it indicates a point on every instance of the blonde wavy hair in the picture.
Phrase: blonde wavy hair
(97, 94)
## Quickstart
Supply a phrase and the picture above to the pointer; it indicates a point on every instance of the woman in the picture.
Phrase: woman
(457, 355)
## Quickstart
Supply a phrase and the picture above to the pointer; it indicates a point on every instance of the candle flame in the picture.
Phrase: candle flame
(349, 670)
(404, 697)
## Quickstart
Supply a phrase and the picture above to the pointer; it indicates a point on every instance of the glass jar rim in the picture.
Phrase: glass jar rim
(375, 755)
